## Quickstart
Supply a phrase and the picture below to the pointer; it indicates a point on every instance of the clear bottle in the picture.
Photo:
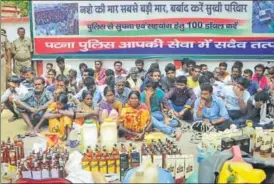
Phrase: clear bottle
(250, 131)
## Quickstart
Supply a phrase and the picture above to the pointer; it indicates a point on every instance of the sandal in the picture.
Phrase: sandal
(28, 133)
(33, 134)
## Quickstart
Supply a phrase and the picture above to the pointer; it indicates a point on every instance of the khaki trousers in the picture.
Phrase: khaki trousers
(18, 65)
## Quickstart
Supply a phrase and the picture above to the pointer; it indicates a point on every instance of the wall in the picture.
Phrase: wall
(11, 25)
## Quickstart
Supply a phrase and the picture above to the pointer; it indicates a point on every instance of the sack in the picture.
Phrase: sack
(210, 168)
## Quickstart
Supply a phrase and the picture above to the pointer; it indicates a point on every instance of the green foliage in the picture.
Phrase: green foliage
(23, 5)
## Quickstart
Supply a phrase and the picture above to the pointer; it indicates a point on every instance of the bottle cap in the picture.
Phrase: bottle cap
(249, 124)
(108, 120)
(89, 121)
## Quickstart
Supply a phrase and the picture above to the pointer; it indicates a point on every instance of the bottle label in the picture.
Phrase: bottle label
(103, 166)
(36, 175)
(45, 174)
(85, 166)
(26, 174)
(117, 166)
(111, 166)
(94, 166)
(54, 173)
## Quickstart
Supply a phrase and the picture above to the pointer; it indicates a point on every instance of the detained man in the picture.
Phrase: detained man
(180, 99)
(211, 109)
(236, 98)
(153, 97)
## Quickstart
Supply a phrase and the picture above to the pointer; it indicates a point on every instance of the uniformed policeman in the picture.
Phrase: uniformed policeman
(5, 59)
(22, 50)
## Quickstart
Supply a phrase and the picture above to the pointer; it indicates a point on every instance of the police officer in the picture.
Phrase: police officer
(5, 59)
(22, 50)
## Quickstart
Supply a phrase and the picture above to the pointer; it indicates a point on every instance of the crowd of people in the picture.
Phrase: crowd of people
(60, 20)
(140, 101)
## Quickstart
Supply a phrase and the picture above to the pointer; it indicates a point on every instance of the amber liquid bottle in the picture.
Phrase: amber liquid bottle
(36, 171)
(45, 168)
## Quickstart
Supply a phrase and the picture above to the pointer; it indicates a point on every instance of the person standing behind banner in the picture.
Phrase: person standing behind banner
(5, 59)
(22, 50)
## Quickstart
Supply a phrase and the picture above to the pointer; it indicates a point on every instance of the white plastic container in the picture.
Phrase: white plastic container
(89, 135)
(108, 134)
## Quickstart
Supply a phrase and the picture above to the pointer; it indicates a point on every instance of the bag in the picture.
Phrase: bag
(210, 168)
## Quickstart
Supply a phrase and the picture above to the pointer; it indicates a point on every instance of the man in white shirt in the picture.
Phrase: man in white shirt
(15, 91)
(187, 65)
(236, 98)
(183, 70)
(236, 73)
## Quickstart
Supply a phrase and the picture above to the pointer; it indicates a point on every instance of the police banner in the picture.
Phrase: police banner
(112, 28)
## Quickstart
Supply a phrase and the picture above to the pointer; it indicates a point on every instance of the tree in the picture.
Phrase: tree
(23, 5)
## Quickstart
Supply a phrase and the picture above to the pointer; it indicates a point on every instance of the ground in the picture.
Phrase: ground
(19, 127)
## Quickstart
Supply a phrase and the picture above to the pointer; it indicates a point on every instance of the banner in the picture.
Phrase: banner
(220, 28)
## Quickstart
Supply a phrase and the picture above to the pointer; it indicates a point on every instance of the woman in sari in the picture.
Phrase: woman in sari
(59, 115)
(109, 108)
(134, 121)
(87, 111)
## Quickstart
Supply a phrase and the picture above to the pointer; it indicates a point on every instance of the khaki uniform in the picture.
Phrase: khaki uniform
(5, 45)
(22, 49)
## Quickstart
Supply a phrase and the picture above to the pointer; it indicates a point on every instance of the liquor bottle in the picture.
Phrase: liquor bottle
(135, 158)
(123, 148)
(61, 169)
(66, 155)
(19, 169)
(8, 143)
(124, 164)
(110, 163)
(265, 148)
(25, 169)
(45, 168)
(94, 164)
(103, 163)
(54, 169)
(12, 156)
(36, 172)
(86, 162)
(115, 154)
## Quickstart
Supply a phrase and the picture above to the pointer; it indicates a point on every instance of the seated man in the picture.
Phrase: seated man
(180, 99)
(89, 83)
(88, 72)
(211, 109)
(168, 82)
(134, 81)
(217, 85)
(28, 78)
(192, 80)
(34, 104)
(13, 92)
(155, 76)
(121, 92)
(236, 98)
(153, 97)
(253, 86)
(257, 108)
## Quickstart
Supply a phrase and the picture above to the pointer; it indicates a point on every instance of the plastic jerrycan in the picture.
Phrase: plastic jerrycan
(108, 134)
(89, 135)
(237, 170)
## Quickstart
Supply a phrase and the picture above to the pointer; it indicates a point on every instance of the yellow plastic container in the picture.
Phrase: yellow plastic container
(154, 136)
(238, 171)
